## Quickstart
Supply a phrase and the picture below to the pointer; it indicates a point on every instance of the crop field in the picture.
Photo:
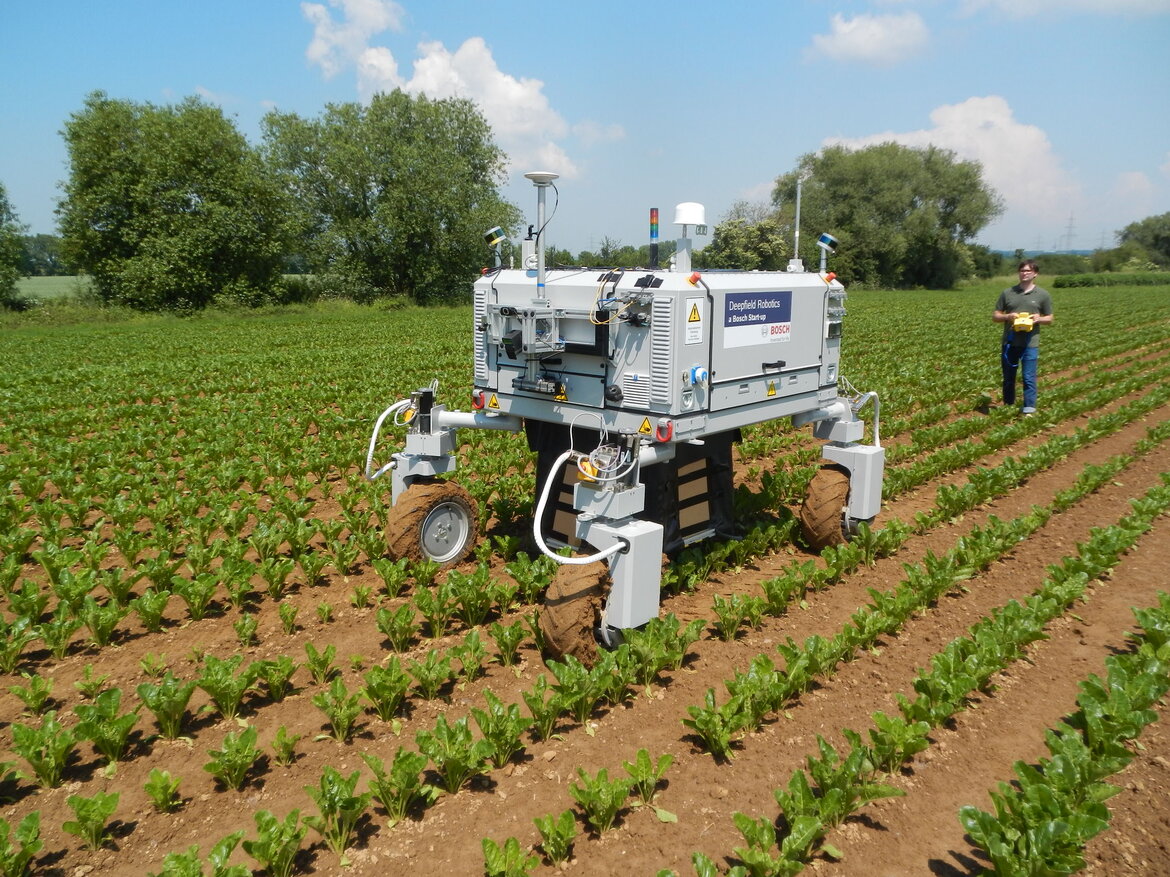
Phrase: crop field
(45, 288)
(209, 666)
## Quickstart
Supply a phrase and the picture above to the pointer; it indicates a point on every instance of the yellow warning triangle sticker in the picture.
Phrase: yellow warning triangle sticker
(771, 388)
(561, 395)
(493, 402)
(646, 428)
(694, 316)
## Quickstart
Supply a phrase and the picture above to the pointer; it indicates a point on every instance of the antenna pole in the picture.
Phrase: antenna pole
(542, 180)
(796, 222)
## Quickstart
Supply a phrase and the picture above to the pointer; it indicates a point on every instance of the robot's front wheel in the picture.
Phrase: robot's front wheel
(572, 611)
(822, 514)
(432, 521)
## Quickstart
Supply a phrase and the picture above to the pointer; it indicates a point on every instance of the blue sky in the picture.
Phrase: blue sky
(1066, 103)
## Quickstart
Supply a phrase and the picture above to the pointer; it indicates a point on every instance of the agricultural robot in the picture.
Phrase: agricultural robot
(631, 386)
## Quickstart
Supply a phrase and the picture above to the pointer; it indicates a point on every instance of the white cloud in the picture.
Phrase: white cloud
(524, 123)
(880, 40)
(1165, 166)
(1018, 159)
(336, 45)
(1033, 8)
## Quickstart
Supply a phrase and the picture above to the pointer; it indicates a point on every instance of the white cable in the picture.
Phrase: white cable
(553, 475)
(393, 409)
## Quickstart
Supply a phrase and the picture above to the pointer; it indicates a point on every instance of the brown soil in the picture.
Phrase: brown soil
(918, 833)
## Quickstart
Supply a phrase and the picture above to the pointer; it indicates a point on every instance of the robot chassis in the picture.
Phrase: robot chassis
(656, 371)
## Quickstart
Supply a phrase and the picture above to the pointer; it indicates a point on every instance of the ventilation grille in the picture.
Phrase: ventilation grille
(480, 316)
(635, 391)
(661, 348)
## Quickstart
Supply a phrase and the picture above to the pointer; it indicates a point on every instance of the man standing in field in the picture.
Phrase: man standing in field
(1023, 309)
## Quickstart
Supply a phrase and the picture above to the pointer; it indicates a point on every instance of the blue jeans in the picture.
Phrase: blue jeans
(1012, 359)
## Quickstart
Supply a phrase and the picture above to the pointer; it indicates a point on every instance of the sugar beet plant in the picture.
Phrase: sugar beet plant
(1043, 820)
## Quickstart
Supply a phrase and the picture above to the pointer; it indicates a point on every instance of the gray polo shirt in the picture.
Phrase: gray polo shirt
(1014, 300)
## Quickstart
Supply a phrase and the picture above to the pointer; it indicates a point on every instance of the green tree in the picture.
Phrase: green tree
(41, 256)
(904, 216)
(10, 251)
(168, 207)
(556, 257)
(1152, 234)
(751, 237)
(394, 196)
(1130, 256)
(987, 264)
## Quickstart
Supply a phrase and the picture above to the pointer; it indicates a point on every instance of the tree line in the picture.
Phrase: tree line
(171, 208)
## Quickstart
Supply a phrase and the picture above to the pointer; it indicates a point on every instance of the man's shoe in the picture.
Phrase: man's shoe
(1028, 412)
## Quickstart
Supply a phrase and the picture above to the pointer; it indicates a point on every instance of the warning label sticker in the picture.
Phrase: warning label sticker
(757, 318)
(646, 428)
(695, 308)
(494, 401)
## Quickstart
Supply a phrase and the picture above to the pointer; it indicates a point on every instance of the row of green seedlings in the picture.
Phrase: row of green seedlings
(159, 555)
(182, 528)
(841, 786)
(965, 453)
(457, 757)
(601, 803)
(50, 747)
(1066, 401)
(1044, 819)
(733, 612)
(78, 476)
(763, 689)
(924, 436)
(227, 683)
(917, 387)
(469, 597)
(789, 483)
(205, 526)
(450, 746)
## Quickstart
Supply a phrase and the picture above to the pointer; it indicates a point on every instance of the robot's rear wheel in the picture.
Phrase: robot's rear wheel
(432, 521)
(572, 611)
(822, 514)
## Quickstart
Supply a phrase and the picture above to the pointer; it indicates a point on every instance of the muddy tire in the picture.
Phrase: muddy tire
(572, 611)
(432, 521)
(822, 514)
